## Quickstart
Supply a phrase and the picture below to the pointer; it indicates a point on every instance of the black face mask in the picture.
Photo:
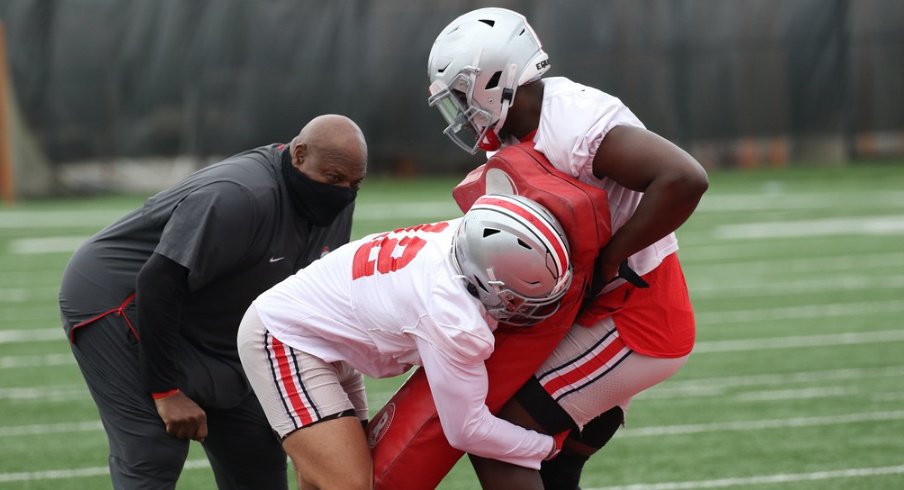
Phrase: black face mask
(317, 202)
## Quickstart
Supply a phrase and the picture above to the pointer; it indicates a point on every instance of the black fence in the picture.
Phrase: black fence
(737, 82)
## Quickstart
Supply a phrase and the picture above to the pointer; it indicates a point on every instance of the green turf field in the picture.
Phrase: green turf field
(797, 380)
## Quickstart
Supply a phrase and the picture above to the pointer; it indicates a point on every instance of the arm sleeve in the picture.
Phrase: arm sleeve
(210, 231)
(459, 392)
(160, 289)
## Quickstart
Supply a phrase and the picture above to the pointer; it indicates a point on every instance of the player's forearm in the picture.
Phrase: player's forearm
(161, 287)
(490, 437)
(460, 392)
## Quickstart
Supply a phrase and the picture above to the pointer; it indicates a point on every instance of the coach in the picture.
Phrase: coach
(152, 303)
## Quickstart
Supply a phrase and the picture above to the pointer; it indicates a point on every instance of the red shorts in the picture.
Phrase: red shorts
(657, 321)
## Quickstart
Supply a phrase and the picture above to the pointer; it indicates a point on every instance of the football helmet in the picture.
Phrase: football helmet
(515, 258)
(475, 67)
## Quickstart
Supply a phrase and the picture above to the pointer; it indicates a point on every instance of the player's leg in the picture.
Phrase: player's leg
(494, 474)
(564, 471)
(592, 376)
(142, 455)
(331, 454)
(243, 450)
(303, 399)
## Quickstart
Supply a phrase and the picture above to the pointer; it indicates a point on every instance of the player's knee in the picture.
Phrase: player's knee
(600, 430)
(564, 471)
(542, 408)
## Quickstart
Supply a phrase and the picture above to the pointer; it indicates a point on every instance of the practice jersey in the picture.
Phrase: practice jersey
(574, 119)
(392, 300)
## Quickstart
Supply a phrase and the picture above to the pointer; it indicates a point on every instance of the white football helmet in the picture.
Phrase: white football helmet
(515, 258)
(476, 65)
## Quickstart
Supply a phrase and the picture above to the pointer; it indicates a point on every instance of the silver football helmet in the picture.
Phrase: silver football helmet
(475, 66)
(515, 258)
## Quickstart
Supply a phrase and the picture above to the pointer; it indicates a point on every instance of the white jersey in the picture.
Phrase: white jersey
(574, 120)
(392, 300)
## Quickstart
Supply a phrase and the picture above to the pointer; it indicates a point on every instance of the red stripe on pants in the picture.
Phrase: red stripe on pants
(288, 382)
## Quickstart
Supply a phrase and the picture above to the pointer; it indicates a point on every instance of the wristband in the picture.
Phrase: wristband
(164, 394)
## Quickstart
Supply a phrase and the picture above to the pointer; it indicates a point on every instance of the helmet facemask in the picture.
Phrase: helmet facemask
(469, 125)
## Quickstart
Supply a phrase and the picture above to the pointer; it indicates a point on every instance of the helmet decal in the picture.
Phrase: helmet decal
(542, 228)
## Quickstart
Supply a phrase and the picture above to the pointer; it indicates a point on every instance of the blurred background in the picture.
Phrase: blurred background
(794, 257)
(102, 91)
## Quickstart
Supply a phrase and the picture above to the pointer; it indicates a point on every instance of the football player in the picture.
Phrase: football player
(486, 79)
(428, 295)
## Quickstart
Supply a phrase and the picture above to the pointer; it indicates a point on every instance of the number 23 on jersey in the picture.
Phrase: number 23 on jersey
(384, 246)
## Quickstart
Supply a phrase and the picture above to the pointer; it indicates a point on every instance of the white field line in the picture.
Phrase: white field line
(53, 393)
(798, 394)
(772, 343)
(99, 218)
(746, 425)
(46, 245)
(32, 335)
(763, 479)
(14, 295)
(61, 428)
(715, 288)
(795, 264)
(800, 312)
(777, 201)
(862, 225)
(685, 388)
(80, 472)
(33, 361)
(697, 249)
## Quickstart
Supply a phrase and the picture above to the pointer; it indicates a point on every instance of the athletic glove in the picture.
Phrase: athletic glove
(624, 272)
(558, 440)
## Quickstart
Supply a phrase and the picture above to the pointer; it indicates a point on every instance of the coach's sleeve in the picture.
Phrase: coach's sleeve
(160, 290)
(210, 231)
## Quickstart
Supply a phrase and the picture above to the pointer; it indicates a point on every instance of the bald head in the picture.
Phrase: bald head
(331, 149)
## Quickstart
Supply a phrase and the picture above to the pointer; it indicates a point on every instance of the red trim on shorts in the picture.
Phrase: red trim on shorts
(118, 311)
(287, 380)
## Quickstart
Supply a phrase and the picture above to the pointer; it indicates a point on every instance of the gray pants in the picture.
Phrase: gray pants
(241, 447)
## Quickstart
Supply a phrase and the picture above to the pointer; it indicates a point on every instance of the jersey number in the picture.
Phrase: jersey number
(385, 263)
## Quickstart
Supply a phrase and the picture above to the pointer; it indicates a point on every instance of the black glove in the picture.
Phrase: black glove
(624, 272)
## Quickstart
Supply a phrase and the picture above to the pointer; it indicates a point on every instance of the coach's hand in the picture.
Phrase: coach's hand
(183, 417)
